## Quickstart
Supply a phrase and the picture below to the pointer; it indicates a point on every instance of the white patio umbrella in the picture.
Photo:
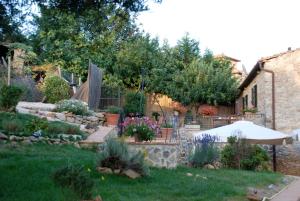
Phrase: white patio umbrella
(249, 131)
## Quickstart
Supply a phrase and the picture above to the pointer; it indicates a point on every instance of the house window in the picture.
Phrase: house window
(254, 96)
(245, 102)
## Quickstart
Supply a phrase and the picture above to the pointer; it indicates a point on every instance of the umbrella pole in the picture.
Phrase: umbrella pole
(274, 158)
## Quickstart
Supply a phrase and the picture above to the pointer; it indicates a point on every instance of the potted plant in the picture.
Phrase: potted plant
(250, 111)
(112, 115)
(166, 131)
(142, 129)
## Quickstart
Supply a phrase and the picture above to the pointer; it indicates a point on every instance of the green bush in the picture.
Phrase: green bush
(55, 128)
(9, 97)
(135, 102)
(56, 89)
(205, 151)
(12, 126)
(76, 179)
(75, 106)
(240, 155)
(114, 110)
(117, 156)
(36, 124)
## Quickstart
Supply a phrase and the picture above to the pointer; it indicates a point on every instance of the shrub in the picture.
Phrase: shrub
(9, 97)
(134, 103)
(113, 110)
(61, 128)
(240, 155)
(36, 124)
(75, 178)
(205, 151)
(12, 126)
(56, 89)
(117, 156)
(75, 106)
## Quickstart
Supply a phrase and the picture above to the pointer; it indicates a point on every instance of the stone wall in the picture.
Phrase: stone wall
(87, 124)
(287, 87)
(288, 159)
(158, 155)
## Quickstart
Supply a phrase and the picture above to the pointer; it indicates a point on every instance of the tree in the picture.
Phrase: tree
(9, 25)
(70, 33)
(193, 79)
(136, 58)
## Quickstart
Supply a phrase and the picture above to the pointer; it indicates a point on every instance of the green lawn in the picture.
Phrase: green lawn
(25, 176)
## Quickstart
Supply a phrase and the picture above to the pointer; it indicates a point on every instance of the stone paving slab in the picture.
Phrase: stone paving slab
(99, 135)
(291, 193)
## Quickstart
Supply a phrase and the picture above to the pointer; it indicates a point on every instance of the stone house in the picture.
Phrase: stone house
(272, 88)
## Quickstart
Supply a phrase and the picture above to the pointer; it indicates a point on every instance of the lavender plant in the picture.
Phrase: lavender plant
(205, 151)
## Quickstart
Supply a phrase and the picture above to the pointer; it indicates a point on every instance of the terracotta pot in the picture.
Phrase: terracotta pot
(112, 119)
(166, 133)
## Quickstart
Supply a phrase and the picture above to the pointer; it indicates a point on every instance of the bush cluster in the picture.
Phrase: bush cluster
(56, 89)
(25, 125)
(9, 97)
(75, 106)
(117, 156)
(76, 179)
(240, 155)
(134, 103)
(205, 151)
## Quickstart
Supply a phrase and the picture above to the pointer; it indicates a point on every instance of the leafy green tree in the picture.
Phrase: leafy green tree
(70, 33)
(193, 79)
(136, 58)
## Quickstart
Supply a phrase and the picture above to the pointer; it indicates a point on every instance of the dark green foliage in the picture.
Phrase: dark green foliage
(205, 152)
(9, 97)
(36, 124)
(114, 110)
(62, 128)
(75, 178)
(117, 156)
(135, 103)
(12, 126)
(56, 89)
(240, 155)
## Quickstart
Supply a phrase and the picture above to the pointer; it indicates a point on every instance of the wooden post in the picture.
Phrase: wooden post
(8, 71)
(274, 158)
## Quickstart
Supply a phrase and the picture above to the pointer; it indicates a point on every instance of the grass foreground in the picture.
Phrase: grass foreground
(26, 175)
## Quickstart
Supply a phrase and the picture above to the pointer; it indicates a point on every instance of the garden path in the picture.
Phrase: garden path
(99, 135)
(291, 193)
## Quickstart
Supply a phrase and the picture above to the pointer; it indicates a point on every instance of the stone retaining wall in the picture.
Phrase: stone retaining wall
(158, 155)
(87, 123)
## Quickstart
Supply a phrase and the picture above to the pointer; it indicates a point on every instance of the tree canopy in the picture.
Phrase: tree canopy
(69, 33)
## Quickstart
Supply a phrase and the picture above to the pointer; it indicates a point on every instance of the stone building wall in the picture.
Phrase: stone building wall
(287, 91)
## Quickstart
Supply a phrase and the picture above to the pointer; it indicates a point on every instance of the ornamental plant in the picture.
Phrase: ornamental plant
(75, 106)
(205, 151)
(9, 97)
(56, 89)
(143, 128)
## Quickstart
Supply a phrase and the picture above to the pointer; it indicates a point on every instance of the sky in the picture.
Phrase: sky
(243, 29)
